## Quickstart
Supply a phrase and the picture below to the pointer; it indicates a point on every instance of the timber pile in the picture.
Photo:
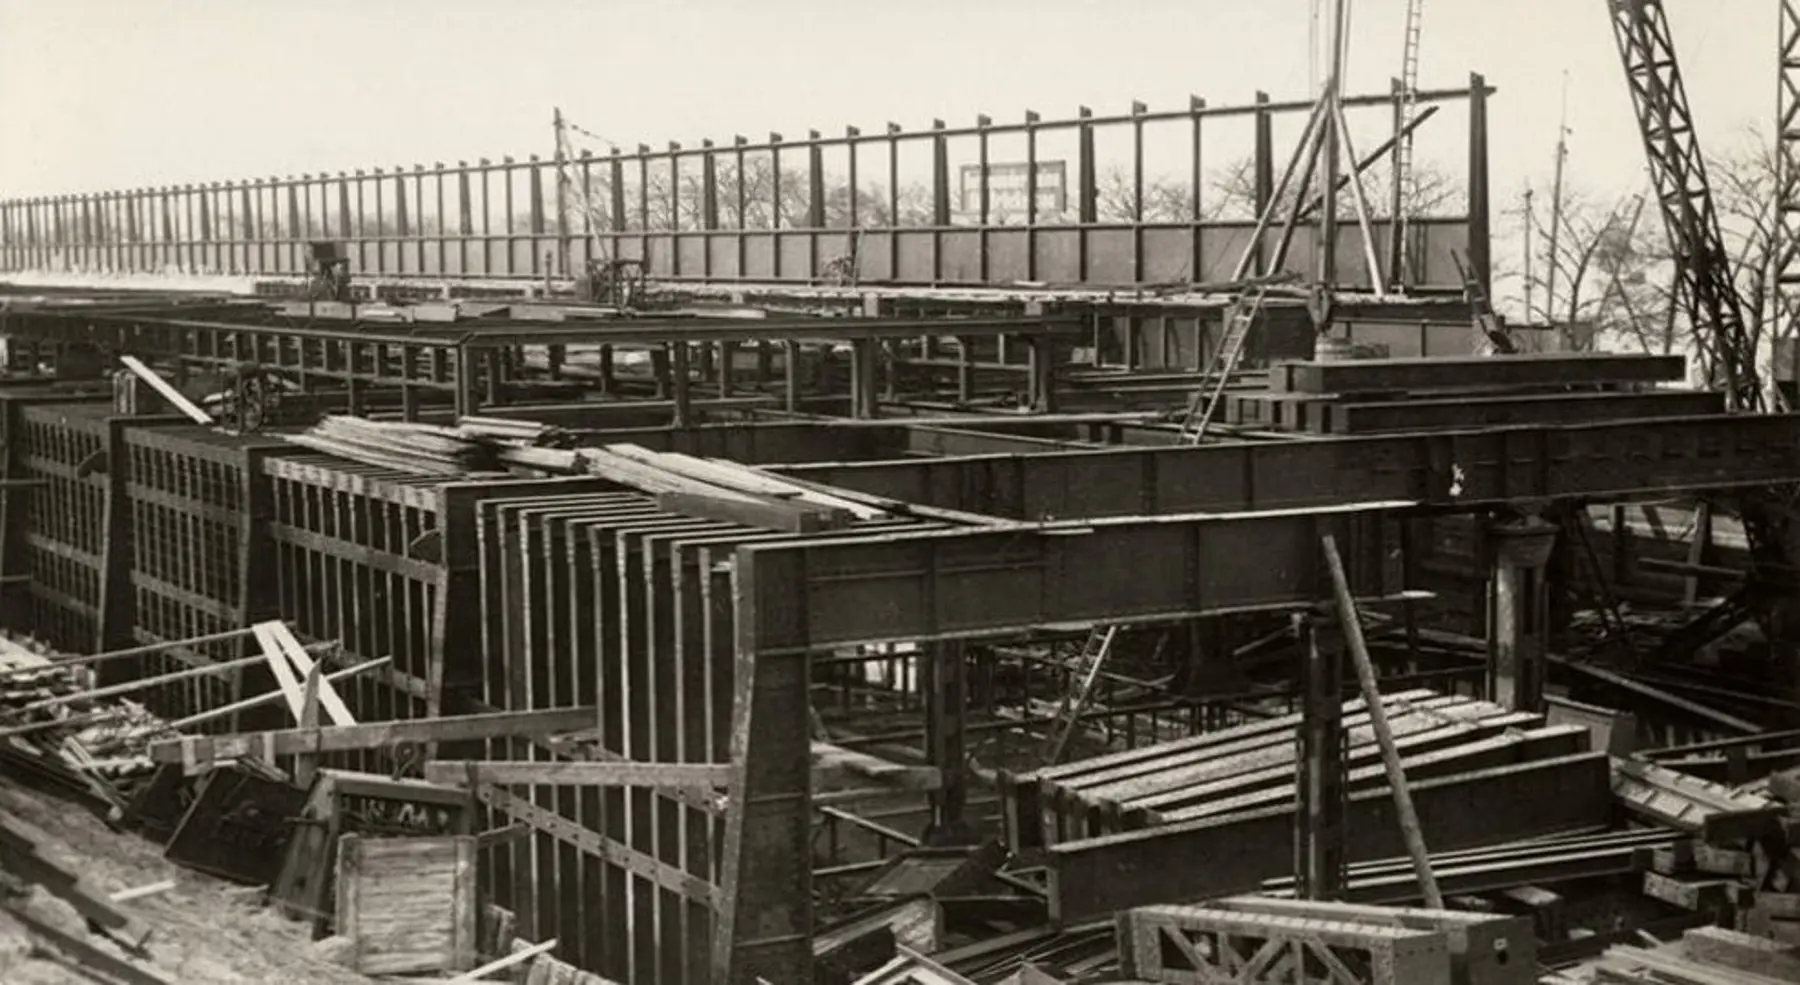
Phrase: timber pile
(50, 729)
(700, 487)
(424, 449)
(1705, 956)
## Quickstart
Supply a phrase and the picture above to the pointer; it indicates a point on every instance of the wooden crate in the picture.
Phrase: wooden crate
(408, 904)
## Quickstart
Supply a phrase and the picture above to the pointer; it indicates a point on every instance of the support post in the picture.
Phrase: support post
(1519, 611)
(682, 384)
(1319, 863)
(945, 682)
(863, 363)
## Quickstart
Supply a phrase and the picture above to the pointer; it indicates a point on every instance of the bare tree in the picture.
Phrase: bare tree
(1635, 269)
(1434, 192)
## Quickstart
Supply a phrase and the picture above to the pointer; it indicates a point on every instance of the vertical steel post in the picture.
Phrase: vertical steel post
(1138, 109)
(982, 123)
(815, 200)
(1263, 170)
(1519, 607)
(1320, 865)
(1196, 193)
(940, 197)
(1031, 193)
(944, 679)
(1480, 261)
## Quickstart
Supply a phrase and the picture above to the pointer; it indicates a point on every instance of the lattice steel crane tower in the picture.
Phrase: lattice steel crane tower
(1704, 289)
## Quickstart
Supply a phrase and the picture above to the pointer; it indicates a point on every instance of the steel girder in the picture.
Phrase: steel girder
(1448, 470)
(1236, 853)
(792, 596)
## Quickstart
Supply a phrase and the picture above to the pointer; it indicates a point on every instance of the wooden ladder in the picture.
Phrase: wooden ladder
(1094, 651)
(1211, 392)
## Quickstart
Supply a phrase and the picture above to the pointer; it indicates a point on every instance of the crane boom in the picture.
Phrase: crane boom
(1703, 284)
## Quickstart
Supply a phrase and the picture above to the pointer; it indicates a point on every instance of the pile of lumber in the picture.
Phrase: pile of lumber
(423, 449)
(1739, 866)
(54, 724)
(1704, 956)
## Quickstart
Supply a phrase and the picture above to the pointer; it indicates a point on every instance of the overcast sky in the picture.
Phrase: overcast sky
(103, 94)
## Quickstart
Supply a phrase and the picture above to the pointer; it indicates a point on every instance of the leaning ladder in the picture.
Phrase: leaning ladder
(1094, 651)
(1206, 399)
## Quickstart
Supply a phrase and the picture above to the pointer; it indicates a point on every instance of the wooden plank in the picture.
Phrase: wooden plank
(282, 668)
(127, 687)
(407, 904)
(89, 660)
(306, 763)
(175, 397)
(692, 776)
(371, 735)
(744, 479)
(521, 953)
(760, 513)
(303, 662)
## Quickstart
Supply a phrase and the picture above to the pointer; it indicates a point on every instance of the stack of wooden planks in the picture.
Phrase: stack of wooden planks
(423, 449)
(1704, 956)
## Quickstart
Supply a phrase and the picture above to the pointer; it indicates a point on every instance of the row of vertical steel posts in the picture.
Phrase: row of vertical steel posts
(427, 220)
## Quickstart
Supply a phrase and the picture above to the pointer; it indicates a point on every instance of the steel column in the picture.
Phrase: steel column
(1319, 864)
(1519, 612)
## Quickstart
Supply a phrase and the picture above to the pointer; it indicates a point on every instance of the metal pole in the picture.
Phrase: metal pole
(1327, 245)
(1390, 756)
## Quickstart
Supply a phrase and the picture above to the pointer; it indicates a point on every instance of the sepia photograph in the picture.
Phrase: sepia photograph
(1009, 492)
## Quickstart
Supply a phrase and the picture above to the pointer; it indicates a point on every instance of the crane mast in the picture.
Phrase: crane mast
(1787, 174)
(1703, 285)
(1706, 294)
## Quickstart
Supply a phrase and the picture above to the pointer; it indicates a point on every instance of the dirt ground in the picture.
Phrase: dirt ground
(203, 932)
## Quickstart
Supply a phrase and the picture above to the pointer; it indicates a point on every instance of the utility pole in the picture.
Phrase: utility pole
(562, 189)
(1528, 271)
(1556, 202)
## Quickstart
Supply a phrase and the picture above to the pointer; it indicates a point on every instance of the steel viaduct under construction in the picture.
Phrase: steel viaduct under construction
(606, 567)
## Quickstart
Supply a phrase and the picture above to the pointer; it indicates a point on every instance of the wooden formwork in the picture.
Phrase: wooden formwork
(180, 561)
(53, 514)
(598, 596)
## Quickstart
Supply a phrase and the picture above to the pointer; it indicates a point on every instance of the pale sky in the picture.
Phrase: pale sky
(106, 94)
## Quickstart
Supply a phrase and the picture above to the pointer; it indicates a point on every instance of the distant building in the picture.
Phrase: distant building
(1006, 186)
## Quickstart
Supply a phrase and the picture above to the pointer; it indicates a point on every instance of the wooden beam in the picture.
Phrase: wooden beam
(768, 514)
(127, 687)
(51, 663)
(837, 761)
(329, 701)
(369, 735)
(167, 392)
(691, 776)
(501, 964)
(282, 668)
(267, 697)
